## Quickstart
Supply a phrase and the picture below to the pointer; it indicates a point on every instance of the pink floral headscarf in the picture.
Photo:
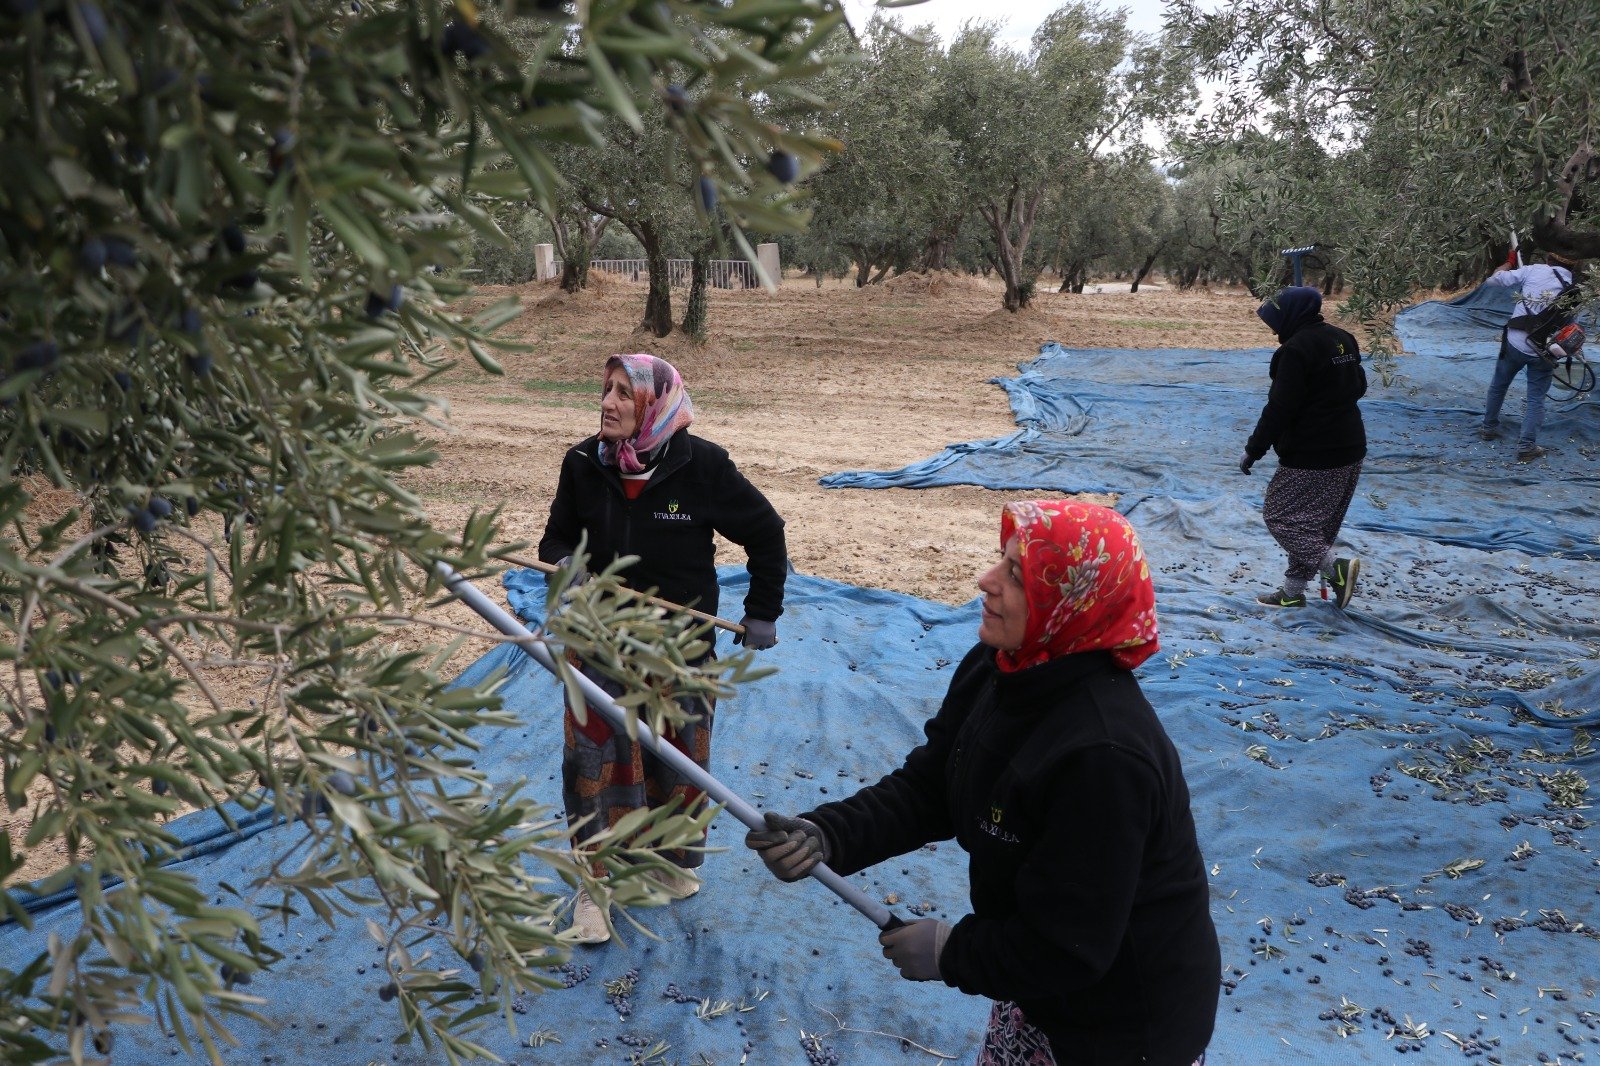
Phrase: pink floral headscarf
(1087, 583)
(661, 407)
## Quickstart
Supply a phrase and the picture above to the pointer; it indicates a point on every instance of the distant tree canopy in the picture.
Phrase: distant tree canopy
(980, 156)
(228, 233)
(1405, 139)
(1408, 135)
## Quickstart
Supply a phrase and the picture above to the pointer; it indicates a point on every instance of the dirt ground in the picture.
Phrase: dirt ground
(796, 385)
(803, 383)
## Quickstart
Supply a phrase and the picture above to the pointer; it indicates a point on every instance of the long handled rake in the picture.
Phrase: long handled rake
(536, 647)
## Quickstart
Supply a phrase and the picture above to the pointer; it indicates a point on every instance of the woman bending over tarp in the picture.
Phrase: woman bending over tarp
(644, 486)
(1091, 925)
(1312, 421)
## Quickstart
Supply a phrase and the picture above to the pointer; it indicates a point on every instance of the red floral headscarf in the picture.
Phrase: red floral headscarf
(1086, 580)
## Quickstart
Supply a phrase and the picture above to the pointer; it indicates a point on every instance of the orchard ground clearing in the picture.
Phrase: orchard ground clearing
(803, 383)
(795, 384)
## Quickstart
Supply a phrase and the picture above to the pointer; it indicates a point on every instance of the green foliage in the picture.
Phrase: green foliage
(511, 261)
(1409, 136)
(218, 224)
(978, 154)
(1025, 125)
(1109, 214)
(894, 188)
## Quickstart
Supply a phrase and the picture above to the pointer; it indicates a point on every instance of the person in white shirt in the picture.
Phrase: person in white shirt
(1539, 284)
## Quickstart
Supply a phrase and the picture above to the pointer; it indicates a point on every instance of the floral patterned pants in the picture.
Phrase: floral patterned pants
(605, 775)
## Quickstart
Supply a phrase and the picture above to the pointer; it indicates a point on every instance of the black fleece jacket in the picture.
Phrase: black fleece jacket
(695, 491)
(1090, 905)
(1311, 419)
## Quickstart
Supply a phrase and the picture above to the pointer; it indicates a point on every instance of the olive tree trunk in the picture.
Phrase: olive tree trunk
(694, 314)
(1145, 267)
(658, 304)
(1012, 226)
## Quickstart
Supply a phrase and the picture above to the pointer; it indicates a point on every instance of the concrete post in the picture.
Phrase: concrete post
(767, 256)
(544, 262)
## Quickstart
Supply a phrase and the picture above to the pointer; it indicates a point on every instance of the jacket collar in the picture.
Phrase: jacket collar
(1039, 687)
(678, 450)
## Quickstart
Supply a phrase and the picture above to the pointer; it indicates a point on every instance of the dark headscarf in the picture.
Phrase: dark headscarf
(1293, 308)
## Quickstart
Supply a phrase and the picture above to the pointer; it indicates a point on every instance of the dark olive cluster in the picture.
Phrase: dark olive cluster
(1420, 949)
(619, 993)
(817, 1053)
(573, 974)
(232, 976)
(54, 679)
(231, 243)
(145, 517)
(40, 355)
(461, 39)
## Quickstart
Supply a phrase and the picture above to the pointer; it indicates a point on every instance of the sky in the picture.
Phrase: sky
(1021, 17)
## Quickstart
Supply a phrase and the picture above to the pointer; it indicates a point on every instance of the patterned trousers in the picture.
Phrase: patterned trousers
(1011, 1041)
(605, 775)
(1304, 510)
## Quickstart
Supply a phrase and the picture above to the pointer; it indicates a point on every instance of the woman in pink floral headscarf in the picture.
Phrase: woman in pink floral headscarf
(1091, 925)
(645, 486)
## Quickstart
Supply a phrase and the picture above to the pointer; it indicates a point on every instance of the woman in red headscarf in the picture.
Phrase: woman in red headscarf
(1091, 924)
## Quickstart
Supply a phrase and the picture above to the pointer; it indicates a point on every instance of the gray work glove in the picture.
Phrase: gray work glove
(915, 947)
(789, 846)
(757, 635)
(577, 579)
(1245, 462)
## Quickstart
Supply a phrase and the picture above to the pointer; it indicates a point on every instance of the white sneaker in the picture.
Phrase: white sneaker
(679, 883)
(588, 922)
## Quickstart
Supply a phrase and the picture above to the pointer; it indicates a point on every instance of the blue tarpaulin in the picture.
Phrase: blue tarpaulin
(1172, 423)
(1466, 325)
(767, 963)
(1393, 801)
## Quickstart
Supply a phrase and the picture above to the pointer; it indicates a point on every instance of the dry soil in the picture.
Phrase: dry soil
(795, 384)
(803, 383)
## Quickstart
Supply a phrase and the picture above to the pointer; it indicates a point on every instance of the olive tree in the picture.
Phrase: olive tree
(1021, 122)
(1110, 213)
(890, 199)
(227, 233)
(1443, 125)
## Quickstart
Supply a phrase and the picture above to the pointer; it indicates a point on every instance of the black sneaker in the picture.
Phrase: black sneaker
(1276, 598)
(1528, 455)
(1343, 580)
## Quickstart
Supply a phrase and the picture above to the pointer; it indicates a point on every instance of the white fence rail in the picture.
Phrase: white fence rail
(720, 273)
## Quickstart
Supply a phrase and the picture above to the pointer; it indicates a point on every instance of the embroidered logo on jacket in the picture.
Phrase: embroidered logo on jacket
(671, 514)
(992, 826)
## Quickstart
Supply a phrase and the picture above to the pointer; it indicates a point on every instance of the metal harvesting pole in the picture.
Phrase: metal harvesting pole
(536, 647)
